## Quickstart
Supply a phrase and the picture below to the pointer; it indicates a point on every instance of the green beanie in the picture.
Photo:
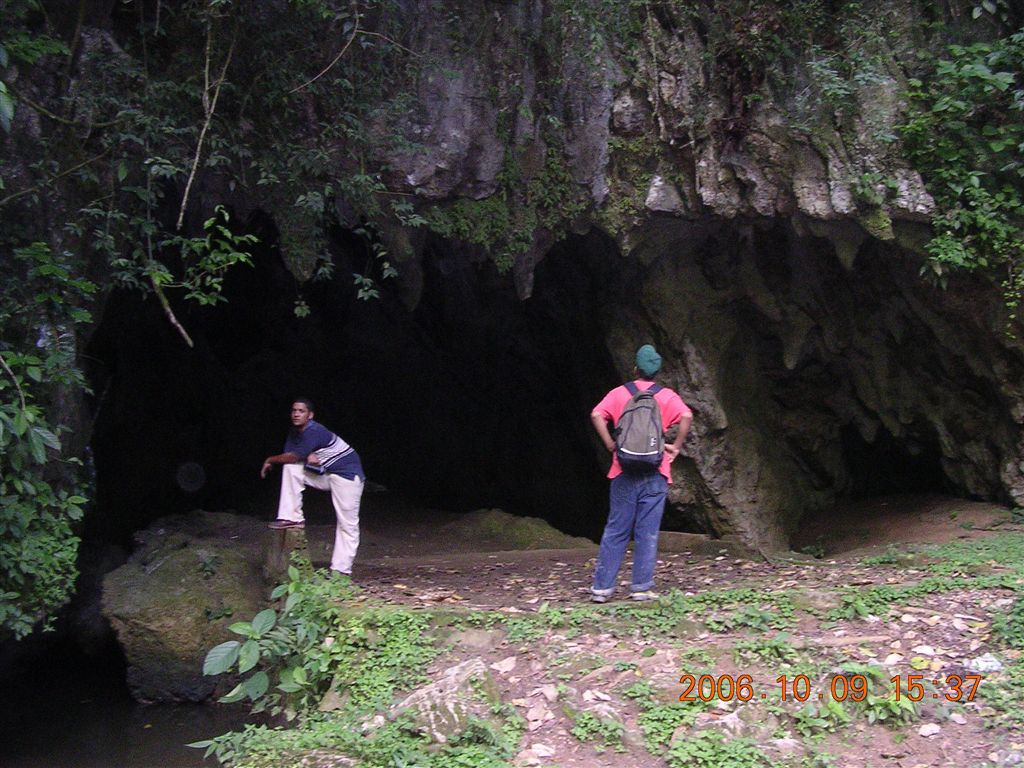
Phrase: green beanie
(648, 361)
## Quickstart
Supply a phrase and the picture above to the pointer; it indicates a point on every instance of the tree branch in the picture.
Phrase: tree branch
(325, 70)
(171, 317)
(72, 169)
(209, 107)
(14, 378)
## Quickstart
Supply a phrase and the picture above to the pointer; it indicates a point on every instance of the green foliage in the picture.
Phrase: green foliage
(205, 261)
(711, 749)
(503, 230)
(1009, 625)
(41, 495)
(659, 722)
(881, 704)
(772, 650)
(605, 732)
(293, 656)
(1001, 691)
(817, 716)
(966, 135)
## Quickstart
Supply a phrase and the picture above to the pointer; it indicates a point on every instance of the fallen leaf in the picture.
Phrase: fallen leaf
(892, 659)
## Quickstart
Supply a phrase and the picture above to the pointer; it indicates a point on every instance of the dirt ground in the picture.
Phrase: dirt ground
(408, 559)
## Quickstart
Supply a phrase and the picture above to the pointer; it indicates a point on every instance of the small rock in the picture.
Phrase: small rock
(505, 665)
(542, 750)
(986, 663)
(549, 692)
(929, 729)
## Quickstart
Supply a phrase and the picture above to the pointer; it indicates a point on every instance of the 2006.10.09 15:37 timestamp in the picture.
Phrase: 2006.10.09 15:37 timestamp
(840, 687)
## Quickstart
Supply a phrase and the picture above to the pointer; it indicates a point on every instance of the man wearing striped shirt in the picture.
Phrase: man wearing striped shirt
(316, 457)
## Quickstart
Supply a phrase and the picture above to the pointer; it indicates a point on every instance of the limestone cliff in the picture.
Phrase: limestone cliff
(775, 270)
(724, 180)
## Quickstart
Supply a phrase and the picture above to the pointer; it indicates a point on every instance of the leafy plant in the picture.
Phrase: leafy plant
(817, 716)
(294, 656)
(42, 495)
(659, 722)
(606, 732)
(965, 133)
(1008, 626)
(881, 705)
(711, 749)
(773, 650)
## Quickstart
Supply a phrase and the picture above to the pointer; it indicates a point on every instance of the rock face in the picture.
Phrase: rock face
(751, 217)
(776, 272)
(189, 578)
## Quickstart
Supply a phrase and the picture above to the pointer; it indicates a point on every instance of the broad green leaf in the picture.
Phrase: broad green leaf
(264, 621)
(248, 656)
(256, 685)
(241, 628)
(221, 658)
(234, 695)
(49, 439)
(6, 108)
(279, 591)
(35, 445)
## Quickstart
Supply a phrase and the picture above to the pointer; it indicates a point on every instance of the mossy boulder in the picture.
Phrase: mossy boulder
(495, 528)
(189, 578)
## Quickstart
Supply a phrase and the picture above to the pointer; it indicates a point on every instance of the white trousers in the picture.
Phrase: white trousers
(345, 496)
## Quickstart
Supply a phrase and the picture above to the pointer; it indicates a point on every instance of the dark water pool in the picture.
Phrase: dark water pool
(65, 709)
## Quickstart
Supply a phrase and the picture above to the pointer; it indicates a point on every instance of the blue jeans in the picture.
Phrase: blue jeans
(636, 504)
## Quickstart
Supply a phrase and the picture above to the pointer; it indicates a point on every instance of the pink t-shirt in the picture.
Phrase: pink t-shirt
(672, 410)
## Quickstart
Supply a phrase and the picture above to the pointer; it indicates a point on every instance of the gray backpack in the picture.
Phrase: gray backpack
(639, 440)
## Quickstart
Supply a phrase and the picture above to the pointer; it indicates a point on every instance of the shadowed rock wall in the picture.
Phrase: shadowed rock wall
(645, 188)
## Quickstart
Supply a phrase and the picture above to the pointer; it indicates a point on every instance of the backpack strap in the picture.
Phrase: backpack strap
(634, 389)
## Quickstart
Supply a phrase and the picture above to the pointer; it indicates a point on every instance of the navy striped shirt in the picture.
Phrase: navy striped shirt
(336, 456)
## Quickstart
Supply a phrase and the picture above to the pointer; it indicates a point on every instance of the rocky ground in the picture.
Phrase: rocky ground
(898, 590)
(747, 659)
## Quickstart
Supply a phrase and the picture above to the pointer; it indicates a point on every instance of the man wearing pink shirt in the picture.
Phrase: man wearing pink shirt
(636, 499)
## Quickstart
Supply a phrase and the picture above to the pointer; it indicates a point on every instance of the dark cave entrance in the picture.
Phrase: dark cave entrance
(475, 398)
(472, 399)
(887, 465)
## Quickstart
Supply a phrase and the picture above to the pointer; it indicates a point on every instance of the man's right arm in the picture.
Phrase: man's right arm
(600, 422)
(281, 458)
